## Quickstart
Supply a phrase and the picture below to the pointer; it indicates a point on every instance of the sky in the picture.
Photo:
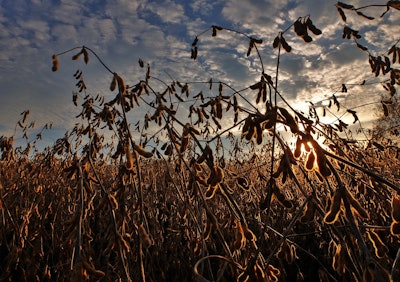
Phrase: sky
(161, 32)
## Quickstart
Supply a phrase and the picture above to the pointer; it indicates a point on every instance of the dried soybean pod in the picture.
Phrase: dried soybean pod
(395, 228)
(77, 55)
(379, 247)
(310, 160)
(339, 260)
(113, 201)
(141, 151)
(282, 198)
(250, 132)
(259, 274)
(218, 109)
(85, 55)
(129, 159)
(184, 144)
(297, 150)
(321, 160)
(285, 45)
(243, 183)
(396, 208)
(121, 83)
(276, 42)
(333, 213)
(309, 212)
(113, 84)
(211, 191)
(273, 273)
(248, 233)
(55, 63)
(290, 121)
(356, 205)
(207, 230)
(259, 134)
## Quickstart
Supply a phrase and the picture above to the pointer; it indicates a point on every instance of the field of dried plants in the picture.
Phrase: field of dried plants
(175, 195)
